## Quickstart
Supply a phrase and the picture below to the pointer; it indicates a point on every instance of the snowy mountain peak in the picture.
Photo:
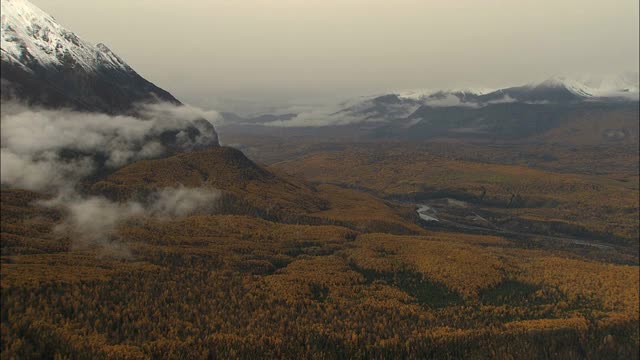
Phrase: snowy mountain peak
(30, 36)
(563, 82)
(110, 56)
(43, 63)
(623, 85)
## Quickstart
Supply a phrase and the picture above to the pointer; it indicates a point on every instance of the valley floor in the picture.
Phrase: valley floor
(340, 266)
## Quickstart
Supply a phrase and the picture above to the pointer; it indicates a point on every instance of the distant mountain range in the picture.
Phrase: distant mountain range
(44, 63)
(621, 87)
(509, 113)
(554, 91)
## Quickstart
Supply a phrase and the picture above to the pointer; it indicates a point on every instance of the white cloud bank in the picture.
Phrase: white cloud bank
(52, 150)
(93, 221)
(45, 149)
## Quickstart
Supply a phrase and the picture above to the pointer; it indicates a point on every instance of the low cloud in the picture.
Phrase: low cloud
(448, 100)
(319, 118)
(504, 100)
(46, 149)
(357, 111)
(92, 222)
(44, 171)
(177, 202)
(53, 150)
(367, 110)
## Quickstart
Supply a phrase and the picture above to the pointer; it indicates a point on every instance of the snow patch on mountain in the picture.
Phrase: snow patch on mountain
(623, 85)
(572, 85)
(30, 35)
(421, 94)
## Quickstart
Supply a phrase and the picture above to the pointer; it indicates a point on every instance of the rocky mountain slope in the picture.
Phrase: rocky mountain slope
(44, 63)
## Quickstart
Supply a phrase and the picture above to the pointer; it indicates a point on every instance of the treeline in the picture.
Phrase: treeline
(235, 286)
(199, 316)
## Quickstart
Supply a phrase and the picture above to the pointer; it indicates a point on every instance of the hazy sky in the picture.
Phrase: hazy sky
(207, 51)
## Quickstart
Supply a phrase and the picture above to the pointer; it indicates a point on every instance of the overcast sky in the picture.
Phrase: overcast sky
(207, 51)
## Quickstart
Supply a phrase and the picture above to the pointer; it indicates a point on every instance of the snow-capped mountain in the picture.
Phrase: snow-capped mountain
(555, 90)
(42, 62)
(29, 35)
(623, 85)
(509, 113)
(563, 89)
